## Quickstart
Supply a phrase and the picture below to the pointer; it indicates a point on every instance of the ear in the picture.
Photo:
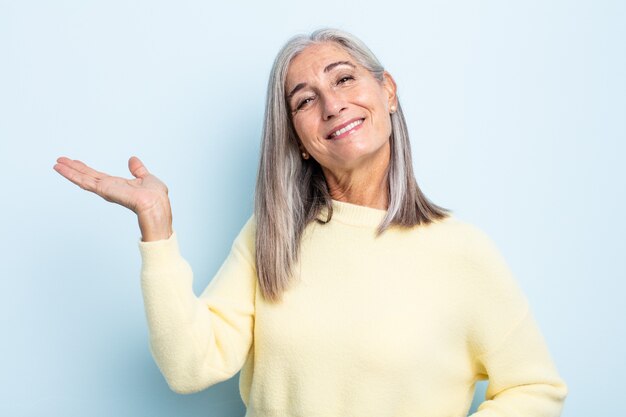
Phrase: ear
(389, 85)
(303, 152)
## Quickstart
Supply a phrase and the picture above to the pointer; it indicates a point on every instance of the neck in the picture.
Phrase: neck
(364, 187)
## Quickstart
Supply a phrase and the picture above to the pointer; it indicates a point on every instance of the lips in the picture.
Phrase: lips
(344, 128)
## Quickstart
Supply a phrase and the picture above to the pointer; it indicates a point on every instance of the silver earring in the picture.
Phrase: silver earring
(305, 155)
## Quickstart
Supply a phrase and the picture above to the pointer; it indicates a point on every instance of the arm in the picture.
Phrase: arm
(508, 346)
(522, 378)
(198, 341)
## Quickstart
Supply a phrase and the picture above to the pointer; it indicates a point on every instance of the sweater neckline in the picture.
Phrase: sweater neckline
(354, 214)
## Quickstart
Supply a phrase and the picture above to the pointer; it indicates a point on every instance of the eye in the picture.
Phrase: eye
(304, 102)
(344, 79)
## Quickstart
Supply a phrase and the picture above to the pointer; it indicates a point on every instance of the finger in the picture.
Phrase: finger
(137, 167)
(82, 168)
(83, 181)
(87, 170)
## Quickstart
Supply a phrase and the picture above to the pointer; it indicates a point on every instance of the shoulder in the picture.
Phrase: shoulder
(245, 242)
(457, 234)
(470, 249)
(248, 230)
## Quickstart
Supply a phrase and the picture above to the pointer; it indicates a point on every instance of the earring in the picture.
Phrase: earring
(305, 155)
(393, 109)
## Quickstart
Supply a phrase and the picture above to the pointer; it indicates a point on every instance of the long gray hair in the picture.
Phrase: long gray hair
(291, 191)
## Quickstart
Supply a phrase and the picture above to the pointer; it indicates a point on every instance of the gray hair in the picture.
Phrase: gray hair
(291, 191)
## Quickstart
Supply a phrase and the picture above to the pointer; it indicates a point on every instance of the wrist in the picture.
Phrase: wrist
(156, 224)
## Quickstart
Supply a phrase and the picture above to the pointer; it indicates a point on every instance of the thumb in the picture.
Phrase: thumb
(136, 167)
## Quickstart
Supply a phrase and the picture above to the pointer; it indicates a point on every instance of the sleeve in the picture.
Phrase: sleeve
(199, 341)
(509, 348)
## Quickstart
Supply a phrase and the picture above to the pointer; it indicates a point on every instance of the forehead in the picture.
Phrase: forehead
(313, 59)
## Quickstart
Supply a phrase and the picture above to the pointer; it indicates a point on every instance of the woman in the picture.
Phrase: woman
(347, 293)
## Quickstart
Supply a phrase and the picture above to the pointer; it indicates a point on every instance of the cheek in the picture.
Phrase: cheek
(386, 124)
(306, 131)
(383, 116)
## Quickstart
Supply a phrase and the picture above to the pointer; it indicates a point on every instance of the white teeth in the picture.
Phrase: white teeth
(345, 129)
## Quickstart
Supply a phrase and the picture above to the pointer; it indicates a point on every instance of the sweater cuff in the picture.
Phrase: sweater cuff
(160, 254)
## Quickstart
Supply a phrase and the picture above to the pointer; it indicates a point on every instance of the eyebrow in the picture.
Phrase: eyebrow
(328, 68)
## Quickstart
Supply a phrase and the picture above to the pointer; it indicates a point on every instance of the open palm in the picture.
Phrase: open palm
(141, 194)
(145, 194)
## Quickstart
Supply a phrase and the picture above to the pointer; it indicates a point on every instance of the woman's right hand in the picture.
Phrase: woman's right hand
(145, 195)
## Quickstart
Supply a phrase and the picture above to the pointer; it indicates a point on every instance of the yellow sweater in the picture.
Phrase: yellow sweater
(400, 325)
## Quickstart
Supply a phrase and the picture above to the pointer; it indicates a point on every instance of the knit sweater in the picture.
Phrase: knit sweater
(396, 325)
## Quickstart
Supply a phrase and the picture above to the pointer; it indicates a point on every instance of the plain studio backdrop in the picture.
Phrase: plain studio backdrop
(517, 114)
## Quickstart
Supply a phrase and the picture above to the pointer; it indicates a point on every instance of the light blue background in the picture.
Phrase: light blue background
(517, 112)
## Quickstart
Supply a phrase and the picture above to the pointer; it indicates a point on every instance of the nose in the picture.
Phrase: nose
(332, 105)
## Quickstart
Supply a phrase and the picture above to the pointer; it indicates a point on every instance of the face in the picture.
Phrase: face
(340, 112)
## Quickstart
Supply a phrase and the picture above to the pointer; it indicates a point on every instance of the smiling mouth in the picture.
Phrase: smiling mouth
(344, 131)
